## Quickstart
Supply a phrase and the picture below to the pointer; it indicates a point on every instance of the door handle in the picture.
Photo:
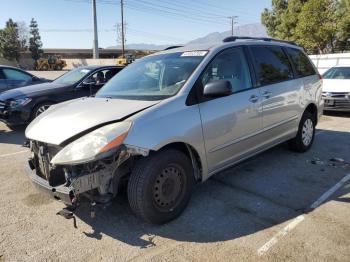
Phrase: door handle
(266, 94)
(254, 98)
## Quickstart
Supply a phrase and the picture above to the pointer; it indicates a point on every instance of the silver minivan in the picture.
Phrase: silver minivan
(173, 119)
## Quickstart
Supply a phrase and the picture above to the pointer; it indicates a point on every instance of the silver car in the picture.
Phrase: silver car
(173, 119)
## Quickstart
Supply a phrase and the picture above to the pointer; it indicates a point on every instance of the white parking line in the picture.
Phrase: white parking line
(12, 154)
(280, 234)
(330, 192)
(262, 250)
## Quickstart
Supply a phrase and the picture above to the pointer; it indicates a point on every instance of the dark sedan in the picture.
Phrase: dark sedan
(12, 77)
(19, 106)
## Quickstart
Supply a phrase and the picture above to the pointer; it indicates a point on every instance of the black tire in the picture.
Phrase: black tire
(300, 143)
(155, 181)
(38, 109)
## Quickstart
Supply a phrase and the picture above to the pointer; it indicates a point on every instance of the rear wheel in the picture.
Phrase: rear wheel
(306, 133)
(160, 186)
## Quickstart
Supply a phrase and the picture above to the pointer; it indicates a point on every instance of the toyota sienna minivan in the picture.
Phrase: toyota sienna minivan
(173, 119)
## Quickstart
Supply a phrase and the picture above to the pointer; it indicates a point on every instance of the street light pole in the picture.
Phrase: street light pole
(94, 17)
(122, 17)
(232, 18)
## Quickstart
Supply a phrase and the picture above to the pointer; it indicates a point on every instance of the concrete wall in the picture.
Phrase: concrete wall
(73, 63)
(324, 62)
(25, 63)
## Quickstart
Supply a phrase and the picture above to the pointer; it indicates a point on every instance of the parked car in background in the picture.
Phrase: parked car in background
(12, 77)
(336, 88)
(21, 105)
(175, 118)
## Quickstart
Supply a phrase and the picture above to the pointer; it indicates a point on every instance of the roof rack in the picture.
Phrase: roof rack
(174, 46)
(267, 39)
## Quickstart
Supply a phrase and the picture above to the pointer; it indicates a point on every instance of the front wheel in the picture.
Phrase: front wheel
(306, 133)
(39, 109)
(160, 186)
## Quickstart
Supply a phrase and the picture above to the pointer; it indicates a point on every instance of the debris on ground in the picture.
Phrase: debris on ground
(333, 162)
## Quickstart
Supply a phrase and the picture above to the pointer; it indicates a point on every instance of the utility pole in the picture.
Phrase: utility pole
(232, 18)
(94, 18)
(123, 36)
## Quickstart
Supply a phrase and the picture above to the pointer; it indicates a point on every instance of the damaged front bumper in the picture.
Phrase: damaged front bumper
(62, 192)
(97, 181)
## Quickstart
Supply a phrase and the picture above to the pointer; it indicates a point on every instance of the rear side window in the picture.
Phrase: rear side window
(232, 66)
(12, 74)
(302, 64)
(271, 64)
(1, 75)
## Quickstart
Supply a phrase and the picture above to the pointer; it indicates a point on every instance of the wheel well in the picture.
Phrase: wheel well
(39, 103)
(191, 153)
(312, 108)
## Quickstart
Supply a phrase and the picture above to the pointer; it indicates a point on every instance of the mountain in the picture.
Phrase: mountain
(255, 30)
(142, 46)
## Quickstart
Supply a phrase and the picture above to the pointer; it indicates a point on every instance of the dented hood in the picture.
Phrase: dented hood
(63, 121)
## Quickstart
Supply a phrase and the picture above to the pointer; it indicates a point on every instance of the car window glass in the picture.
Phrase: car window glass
(1, 75)
(272, 65)
(229, 65)
(72, 76)
(153, 77)
(12, 74)
(301, 63)
(102, 77)
(337, 73)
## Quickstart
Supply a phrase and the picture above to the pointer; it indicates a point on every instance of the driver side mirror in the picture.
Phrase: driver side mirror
(219, 88)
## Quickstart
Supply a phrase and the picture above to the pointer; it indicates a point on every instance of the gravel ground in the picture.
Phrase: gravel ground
(230, 217)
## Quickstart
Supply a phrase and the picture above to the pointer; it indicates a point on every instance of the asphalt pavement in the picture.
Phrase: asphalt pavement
(277, 206)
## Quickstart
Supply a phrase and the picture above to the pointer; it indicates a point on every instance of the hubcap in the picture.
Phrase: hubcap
(307, 132)
(168, 188)
(41, 110)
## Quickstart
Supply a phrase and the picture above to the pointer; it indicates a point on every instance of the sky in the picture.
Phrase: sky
(68, 23)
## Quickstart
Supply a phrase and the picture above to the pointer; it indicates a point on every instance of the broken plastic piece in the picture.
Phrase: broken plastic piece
(67, 214)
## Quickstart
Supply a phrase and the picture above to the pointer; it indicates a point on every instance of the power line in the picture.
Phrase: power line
(169, 14)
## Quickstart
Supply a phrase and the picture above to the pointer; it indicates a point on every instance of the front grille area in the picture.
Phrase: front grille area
(336, 95)
(43, 153)
(2, 105)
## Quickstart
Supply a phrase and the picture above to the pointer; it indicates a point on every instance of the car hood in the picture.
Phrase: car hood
(336, 85)
(31, 90)
(66, 120)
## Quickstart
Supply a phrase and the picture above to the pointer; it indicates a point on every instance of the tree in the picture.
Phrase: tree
(23, 35)
(317, 25)
(10, 45)
(343, 36)
(272, 18)
(35, 44)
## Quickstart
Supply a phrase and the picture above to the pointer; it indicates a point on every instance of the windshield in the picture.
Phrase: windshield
(337, 73)
(72, 76)
(154, 77)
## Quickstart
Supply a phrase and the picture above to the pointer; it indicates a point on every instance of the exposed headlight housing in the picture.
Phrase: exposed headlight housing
(92, 145)
(20, 102)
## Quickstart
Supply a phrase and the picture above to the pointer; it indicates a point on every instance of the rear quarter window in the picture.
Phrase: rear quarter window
(301, 63)
(271, 64)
